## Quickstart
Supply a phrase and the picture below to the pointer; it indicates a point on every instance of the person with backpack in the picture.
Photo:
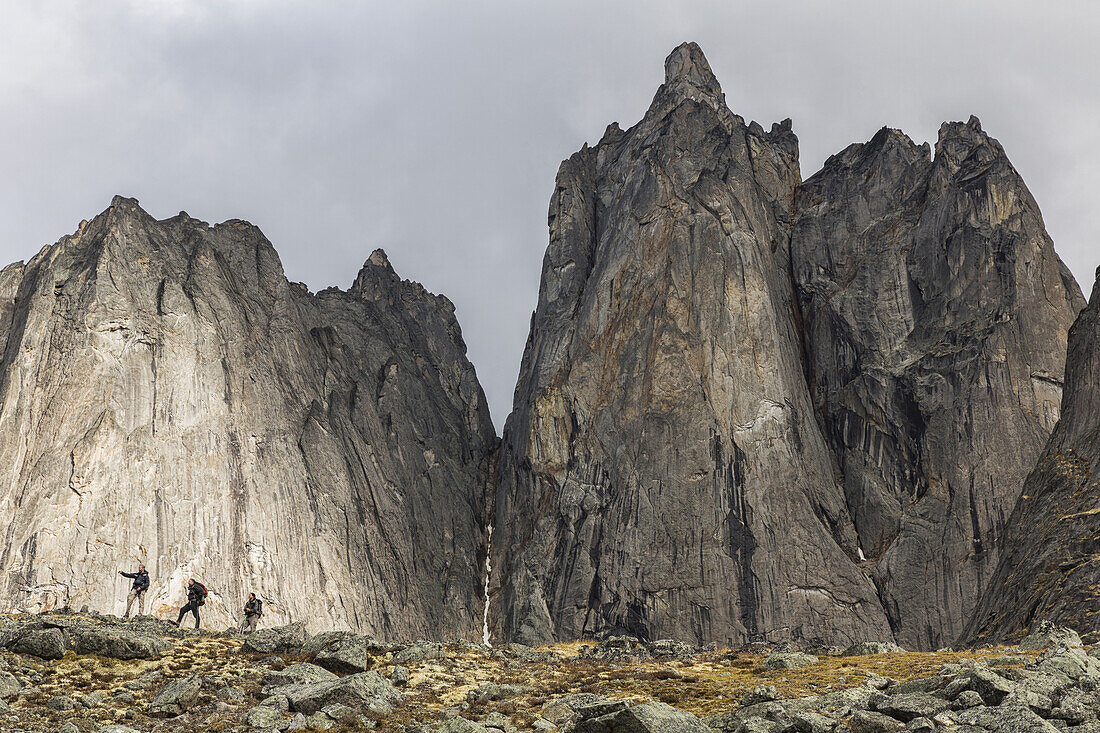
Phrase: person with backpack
(137, 591)
(253, 611)
(196, 596)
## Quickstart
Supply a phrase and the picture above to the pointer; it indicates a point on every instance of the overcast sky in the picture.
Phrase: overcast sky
(434, 129)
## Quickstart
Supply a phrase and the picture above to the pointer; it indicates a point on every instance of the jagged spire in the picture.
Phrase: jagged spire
(688, 76)
(688, 66)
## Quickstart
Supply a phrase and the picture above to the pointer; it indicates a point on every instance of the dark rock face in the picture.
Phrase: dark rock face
(167, 396)
(936, 315)
(753, 408)
(1049, 567)
(663, 473)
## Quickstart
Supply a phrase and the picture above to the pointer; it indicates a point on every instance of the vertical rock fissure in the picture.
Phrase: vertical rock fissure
(486, 637)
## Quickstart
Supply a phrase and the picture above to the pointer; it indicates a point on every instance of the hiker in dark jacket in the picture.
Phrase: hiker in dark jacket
(253, 611)
(137, 591)
(196, 596)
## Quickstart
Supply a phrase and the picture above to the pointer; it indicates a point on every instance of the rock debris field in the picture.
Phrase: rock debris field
(90, 673)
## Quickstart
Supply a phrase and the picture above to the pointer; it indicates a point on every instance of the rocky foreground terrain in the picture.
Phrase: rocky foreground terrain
(68, 673)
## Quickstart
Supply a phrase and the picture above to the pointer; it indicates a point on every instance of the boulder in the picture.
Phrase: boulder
(491, 692)
(263, 716)
(366, 691)
(654, 717)
(813, 723)
(344, 652)
(9, 685)
(277, 702)
(872, 647)
(909, 706)
(45, 643)
(1004, 719)
(864, 721)
(458, 724)
(400, 675)
(789, 660)
(671, 649)
(420, 652)
(119, 643)
(1073, 663)
(280, 640)
(176, 697)
(317, 721)
(296, 674)
(1046, 635)
(527, 654)
(62, 703)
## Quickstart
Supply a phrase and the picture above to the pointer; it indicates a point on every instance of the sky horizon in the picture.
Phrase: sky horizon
(435, 132)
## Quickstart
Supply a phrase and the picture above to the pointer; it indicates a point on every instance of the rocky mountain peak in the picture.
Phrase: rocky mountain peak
(376, 278)
(959, 141)
(324, 452)
(688, 76)
(688, 65)
(378, 258)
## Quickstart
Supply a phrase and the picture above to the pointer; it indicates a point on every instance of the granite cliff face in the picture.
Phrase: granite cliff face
(1049, 565)
(936, 316)
(751, 408)
(167, 396)
(663, 473)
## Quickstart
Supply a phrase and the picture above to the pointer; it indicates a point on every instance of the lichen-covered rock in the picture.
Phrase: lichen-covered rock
(492, 692)
(936, 314)
(872, 647)
(296, 674)
(654, 717)
(864, 721)
(912, 705)
(9, 685)
(345, 653)
(1003, 719)
(46, 643)
(176, 697)
(1050, 560)
(420, 652)
(366, 691)
(788, 660)
(263, 716)
(662, 473)
(328, 451)
(1046, 635)
(114, 642)
(280, 640)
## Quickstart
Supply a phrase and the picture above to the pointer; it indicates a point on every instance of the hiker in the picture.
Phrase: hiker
(253, 610)
(196, 596)
(137, 591)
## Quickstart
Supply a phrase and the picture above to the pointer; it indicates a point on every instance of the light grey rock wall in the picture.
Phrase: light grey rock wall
(936, 315)
(167, 396)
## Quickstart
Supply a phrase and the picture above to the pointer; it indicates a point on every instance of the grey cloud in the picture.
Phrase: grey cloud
(434, 129)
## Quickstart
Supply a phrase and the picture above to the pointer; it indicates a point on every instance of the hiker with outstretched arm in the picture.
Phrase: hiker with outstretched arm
(253, 610)
(196, 596)
(137, 591)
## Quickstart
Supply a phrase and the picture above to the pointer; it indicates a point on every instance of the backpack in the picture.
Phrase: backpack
(259, 607)
(200, 598)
